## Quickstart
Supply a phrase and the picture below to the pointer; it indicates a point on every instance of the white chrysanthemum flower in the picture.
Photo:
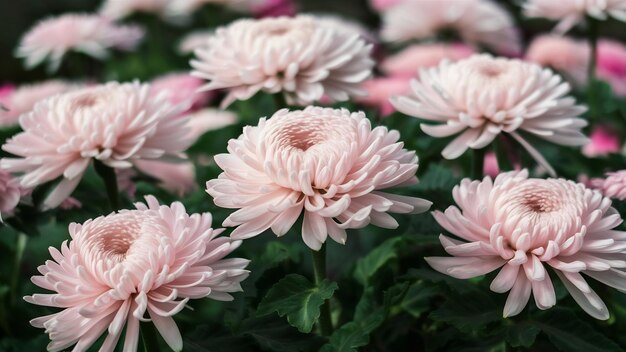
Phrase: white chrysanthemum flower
(90, 34)
(481, 97)
(301, 57)
(571, 12)
(476, 21)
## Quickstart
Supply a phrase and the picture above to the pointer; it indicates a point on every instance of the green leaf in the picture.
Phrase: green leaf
(437, 178)
(367, 266)
(298, 299)
(522, 334)
(275, 335)
(417, 299)
(467, 312)
(355, 334)
(569, 333)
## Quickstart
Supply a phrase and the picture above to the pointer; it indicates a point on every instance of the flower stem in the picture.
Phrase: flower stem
(110, 182)
(280, 102)
(319, 271)
(593, 45)
(17, 264)
(592, 33)
(478, 161)
(149, 336)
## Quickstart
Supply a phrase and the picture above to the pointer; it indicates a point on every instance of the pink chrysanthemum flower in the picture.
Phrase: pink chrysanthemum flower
(524, 226)
(300, 57)
(114, 123)
(379, 90)
(603, 141)
(209, 119)
(477, 22)
(10, 192)
(408, 61)
(482, 97)
(132, 266)
(612, 65)
(117, 9)
(571, 12)
(181, 88)
(572, 61)
(613, 186)
(90, 34)
(22, 99)
(328, 164)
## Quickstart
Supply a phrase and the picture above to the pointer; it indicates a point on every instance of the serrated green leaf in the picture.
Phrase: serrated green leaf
(570, 334)
(417, 298)
(297, 298)
(522, 334)
(367, 266)
(437, 178)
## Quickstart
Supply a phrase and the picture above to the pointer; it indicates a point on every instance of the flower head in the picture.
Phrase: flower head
(181, 88)
(132, 266)
(328, 164)
(116, 124)
(572, 61)
(301, 57)
(10, 192)
(603, 141)
(525, 226)
(613, 186)
(408, 61)
(22, 99)
(612, 65)
(476, 21)
(90, 34)
(481, 97)
(571, 12)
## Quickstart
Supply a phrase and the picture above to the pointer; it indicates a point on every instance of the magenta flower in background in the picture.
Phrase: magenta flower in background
(132, 266)
(572, 61)
(523, 227)
(20, 100)
(382, 5)
(93, 35)
(116, 124)
(602, 142)
(328, 164)
(481, 97)
(408, 61)
(611, 65)
(181, 88)
(478, 22)
(274, 8)
(571, 12)
(249, 56)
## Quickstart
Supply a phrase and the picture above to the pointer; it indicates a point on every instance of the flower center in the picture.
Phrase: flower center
(302, 136)
(541, 201)
(114, 240)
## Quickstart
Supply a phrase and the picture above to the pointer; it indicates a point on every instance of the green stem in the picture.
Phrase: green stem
(280, 102)
(110, 182)
(149, 337)
(478, 161)
(17, 264)
(591, 69)
(319, 271)
(593, 44)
